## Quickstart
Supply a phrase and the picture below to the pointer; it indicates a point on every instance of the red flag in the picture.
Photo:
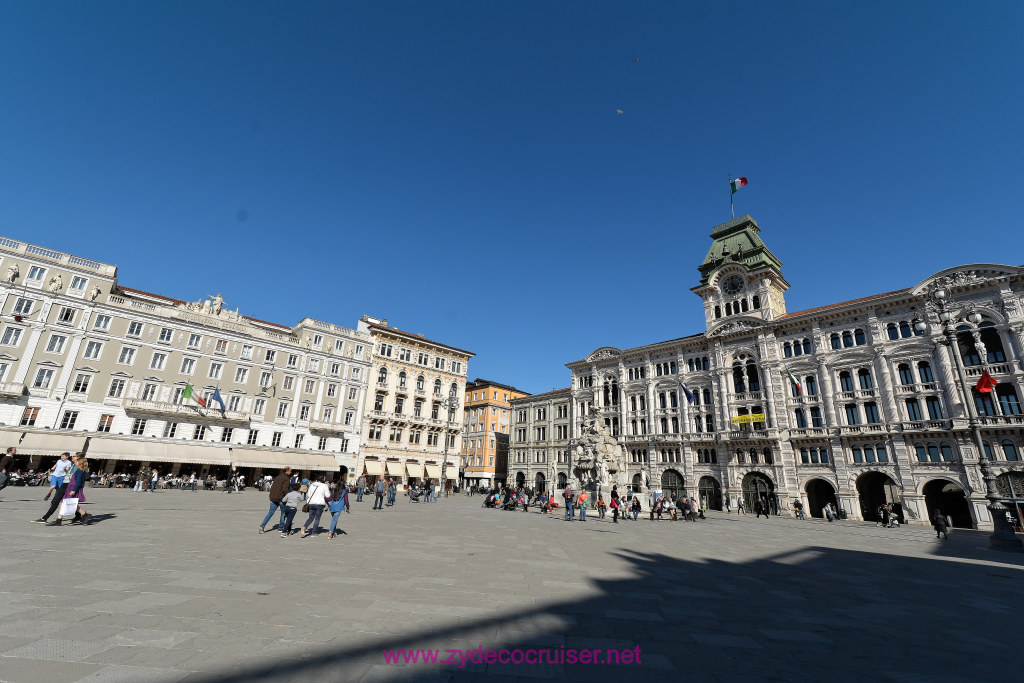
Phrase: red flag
(986, 384)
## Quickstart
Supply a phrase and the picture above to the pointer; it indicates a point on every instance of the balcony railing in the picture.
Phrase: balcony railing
(996, 369)
(177, 410)
(326, 427)
(862, 429)
(808, 431)
(998, 420)
(12, 389)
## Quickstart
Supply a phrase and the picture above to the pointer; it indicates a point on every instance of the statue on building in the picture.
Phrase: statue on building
(94, 293)
(13, 273)
(56, 283)
(216, 303)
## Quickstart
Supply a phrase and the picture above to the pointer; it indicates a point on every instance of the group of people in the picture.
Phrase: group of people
(67, 483)
(288, 494)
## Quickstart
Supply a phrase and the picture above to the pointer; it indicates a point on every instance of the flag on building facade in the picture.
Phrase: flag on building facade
(986, 384)
(190, 395)
(217, 399)
(737, 184)
(796, 385)
(689, 395)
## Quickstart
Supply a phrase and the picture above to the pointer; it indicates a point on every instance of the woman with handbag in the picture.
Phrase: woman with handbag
(338, 504)
(76, 480)
(316, 501)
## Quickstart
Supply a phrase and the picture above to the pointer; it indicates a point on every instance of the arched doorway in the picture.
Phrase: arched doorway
(819, 494)
(540, 483)
(875, 489)
(520, 479)
(562, 480)
(671, 483)
(755, 487)
(950, 500)
(343, 475)
(638, 483)
(710, 492)
(1010, 487)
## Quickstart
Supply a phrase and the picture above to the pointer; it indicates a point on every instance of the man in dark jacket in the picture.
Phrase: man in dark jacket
(278, 488)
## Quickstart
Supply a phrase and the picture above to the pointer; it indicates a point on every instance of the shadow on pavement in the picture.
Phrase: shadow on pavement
(812, 614)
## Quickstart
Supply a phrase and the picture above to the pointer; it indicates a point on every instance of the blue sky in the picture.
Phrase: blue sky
(460, 168)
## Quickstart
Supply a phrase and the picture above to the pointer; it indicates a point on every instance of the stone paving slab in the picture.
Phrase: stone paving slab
(175, 586)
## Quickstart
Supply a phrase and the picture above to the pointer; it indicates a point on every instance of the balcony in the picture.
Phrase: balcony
(747, 396)
(12, 389)
(863, 429)
(927, 426)
(996, 369)
(326, 427)
(1001, 420)
(806, 432)
(186, 413)
(747, 434)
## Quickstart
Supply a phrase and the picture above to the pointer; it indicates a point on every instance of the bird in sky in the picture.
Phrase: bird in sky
(619, 111)
(636, 60)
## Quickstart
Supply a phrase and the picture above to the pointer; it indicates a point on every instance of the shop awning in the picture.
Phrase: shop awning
(374, 468)
(36, 443)
(316, 461)
(249, 457)
(415, 469)
(434, 471)
(394, 468)
(138, 449)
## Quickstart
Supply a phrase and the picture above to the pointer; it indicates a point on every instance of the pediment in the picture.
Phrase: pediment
(736, 326)
(4, 356)
(121, 373)
(966, 275)
(605, 353)
(86, 368)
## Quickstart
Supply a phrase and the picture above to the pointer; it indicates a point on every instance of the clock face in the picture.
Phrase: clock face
(733, 285)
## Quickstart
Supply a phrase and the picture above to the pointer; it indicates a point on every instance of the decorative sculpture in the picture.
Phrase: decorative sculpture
(56, 283)
(13, 273)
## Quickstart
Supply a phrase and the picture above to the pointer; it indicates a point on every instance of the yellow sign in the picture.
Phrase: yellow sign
(747, 419)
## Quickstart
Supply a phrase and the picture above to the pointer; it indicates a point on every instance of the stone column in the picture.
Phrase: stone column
(886, 386)
(951, 387)
(827, 394)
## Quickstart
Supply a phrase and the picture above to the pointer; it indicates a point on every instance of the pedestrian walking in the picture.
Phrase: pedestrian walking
(290, 505)
(278, 490)
(567, 495)
(5, 462)
(378, 501)
(152, 480)
(939, 522)
(392, 492)
(615, 508)
(739, 506)
(316, 501)
(583, 500)
(57, 473)
(338, 504)
(76, 480)
(360, 487)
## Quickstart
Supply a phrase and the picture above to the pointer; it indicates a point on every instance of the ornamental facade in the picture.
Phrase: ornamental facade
(88, 364)
(859, 403)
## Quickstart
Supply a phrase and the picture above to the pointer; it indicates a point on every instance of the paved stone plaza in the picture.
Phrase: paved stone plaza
(178, 586)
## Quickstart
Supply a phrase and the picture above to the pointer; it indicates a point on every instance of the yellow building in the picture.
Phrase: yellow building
(486, 433)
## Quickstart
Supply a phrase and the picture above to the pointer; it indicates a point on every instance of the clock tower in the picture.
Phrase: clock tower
(740, 276)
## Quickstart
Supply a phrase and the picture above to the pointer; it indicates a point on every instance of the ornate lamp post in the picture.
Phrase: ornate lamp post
(450, 404)
(1002, 537)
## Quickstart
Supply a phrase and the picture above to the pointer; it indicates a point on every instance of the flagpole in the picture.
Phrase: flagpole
(732, 209)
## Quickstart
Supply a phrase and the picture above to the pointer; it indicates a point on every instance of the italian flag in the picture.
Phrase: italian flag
(190, 395)
(796, 385)
(737, 184)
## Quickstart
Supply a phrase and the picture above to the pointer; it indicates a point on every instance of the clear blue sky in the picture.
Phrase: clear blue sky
(460, 168)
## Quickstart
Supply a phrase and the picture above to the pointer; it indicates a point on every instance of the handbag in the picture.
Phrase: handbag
(68, 506)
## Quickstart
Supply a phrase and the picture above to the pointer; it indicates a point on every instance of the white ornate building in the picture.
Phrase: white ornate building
(875, 411)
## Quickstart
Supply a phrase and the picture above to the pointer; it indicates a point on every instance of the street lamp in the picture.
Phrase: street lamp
(1002, 537)
(450, 404)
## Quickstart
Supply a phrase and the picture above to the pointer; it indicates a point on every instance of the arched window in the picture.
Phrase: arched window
(922, 454)
(740, 457)
(709, 423)
(924, 371)
(420, 383)
(807, 346)
(869, 453)
(797, 351)
(739, 380)
(835, 341)
(697, 423)
(382, 376)
(905, 329)
(858, 455)
(437, 387)
(847, 339)
(753, 456)
(743, 305)
(824, 455)
(801, 421)
(632, 402)
(864, 378)
(947, 452)
(845, 381)
(707, 397)
(691, 365)
(988, 449)
(768, 459)
(718, 311)
(787, 350)
(858, 335)
(933, 451)
(756, 301)
(811, 385)
(880, 452)
(804, 458)
(906, 377)
(753, 378)
(894, 333)
(965, 342)
(728, 309)
(704, 363)
(993, 344)
(1010, 450)
(402, 379)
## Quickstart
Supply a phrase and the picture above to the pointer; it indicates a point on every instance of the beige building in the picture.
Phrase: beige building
(541, 429)
(412, 421)
(485, 446)
(87, 364)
